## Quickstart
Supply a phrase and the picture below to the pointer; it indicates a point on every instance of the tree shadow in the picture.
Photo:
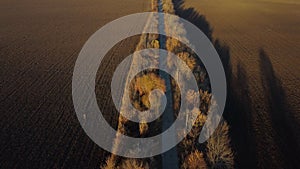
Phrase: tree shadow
(238, 104)
(238, 114)
(282, 121)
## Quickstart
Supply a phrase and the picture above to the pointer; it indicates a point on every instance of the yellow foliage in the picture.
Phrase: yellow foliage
(143, 126)
(194, 160)
(155, 44)
(110, 163)
(205, 99)
(133, 164)
(219, 153)
(188, 59)
(145, 84)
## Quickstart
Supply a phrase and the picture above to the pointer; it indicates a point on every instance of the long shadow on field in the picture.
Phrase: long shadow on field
(284, 125)
(194, 17)
(238, 105)
(238, 114)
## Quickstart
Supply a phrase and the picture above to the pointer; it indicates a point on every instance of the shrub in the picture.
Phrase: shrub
(143, 126)
(205, 99)
(188, 59)
(219, 154)
(133, 164)
(110, 163)
(143, 85)
(194, 160)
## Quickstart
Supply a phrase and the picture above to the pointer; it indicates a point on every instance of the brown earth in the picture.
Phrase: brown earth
(39, 44)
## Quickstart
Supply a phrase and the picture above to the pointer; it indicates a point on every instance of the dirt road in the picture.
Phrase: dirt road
(170, 158)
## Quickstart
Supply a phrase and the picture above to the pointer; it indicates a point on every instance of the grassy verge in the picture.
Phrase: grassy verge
(140, 88)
